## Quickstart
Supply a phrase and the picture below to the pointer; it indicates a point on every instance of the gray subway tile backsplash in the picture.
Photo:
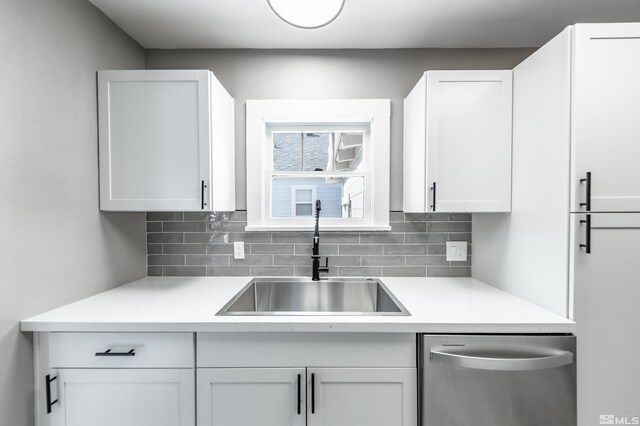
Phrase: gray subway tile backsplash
(228, 271)
(361, 249)
(184, 271)
(444, 271)
(164, 216)
(184, 248)
(155, 248)
(383, 261)
(360, 271)
(325, 249)
(273, 271)
(201, 244)
(272, 248)
(208, 259)
(164, 237)
(154, 226)
(390, 249)
(165, 259)
(404, 271)
(184, 227)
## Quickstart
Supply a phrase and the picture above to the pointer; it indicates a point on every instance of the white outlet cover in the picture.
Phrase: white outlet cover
(456, 251)
(238, 250)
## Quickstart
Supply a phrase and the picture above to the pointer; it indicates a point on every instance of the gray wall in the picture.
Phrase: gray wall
(55, 246)
(286, 74)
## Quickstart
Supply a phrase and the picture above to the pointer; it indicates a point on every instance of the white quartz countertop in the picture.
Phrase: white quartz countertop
(189, 304)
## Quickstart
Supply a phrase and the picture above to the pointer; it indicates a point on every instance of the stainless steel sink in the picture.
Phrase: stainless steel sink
(300, 296)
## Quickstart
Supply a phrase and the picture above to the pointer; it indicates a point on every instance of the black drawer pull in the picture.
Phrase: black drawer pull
(313, 393)
(48, 379)
(587, 203)
(433, 206)
(299, 394)
(108, 352)
(202, 187)
(587, 245)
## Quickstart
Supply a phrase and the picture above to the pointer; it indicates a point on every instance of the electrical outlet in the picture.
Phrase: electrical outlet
(238, 250)
(456, 251)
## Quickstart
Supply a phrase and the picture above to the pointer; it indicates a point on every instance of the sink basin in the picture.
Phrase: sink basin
(300, 296)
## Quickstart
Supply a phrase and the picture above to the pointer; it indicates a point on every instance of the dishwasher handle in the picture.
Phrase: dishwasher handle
(558, 359)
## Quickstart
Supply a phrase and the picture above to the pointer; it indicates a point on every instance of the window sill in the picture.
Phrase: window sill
(322, 228)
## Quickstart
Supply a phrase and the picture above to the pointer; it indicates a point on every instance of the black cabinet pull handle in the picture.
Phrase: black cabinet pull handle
(299, 396)
(108, 352)
(587, 245)
(48, 379)
(202, 187)
(587, 203)
(433, 206)
(313, 393)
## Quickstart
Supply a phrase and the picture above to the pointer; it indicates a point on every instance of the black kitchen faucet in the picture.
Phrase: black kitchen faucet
(315, 253)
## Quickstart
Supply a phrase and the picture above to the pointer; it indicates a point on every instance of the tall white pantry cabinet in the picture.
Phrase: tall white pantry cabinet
(572, 241)
(166, 141)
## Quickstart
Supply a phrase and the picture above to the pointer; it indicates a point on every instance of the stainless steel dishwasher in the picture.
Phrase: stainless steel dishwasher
(478, 380)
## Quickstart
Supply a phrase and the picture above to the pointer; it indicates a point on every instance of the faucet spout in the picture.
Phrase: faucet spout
(315, 251)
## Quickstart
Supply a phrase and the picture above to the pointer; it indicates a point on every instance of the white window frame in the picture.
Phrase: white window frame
(294, 197)
(265, 115)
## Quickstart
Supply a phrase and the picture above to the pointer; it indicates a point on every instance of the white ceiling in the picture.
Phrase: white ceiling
(362, 24)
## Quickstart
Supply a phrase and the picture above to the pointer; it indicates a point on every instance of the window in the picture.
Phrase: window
(295, 157)
(303, 198)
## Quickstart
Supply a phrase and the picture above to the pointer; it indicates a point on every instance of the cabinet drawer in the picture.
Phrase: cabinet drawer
(306, 350)
(121, 350)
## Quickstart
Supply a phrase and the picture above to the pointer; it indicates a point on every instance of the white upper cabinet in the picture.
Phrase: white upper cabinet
(605, 112)
(166, 141)
(457, 142)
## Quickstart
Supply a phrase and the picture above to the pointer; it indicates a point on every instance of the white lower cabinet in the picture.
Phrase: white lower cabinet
(312, 396)
(251, 397)
(122, 397)
(361, 396)
(605, 308)
(306, 379)
(115, 379)
(236, 379)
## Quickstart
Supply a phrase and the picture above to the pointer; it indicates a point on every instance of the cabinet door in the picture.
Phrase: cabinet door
(469, 141)
(606, 293)
(154, 129)
(361, 396)
(606, 107)
(415, 195)
(251, 397)
(109, 397)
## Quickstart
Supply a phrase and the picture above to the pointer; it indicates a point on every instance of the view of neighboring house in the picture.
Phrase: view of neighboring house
(317, 152)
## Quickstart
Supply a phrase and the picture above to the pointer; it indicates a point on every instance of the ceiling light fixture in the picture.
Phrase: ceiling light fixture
(307, 14)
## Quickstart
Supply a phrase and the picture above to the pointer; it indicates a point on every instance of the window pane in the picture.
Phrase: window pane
(316, 151)
(304, 195)
(353, 198)
(304, 210)
(347, 151)
(340, 196)
(287, 151)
